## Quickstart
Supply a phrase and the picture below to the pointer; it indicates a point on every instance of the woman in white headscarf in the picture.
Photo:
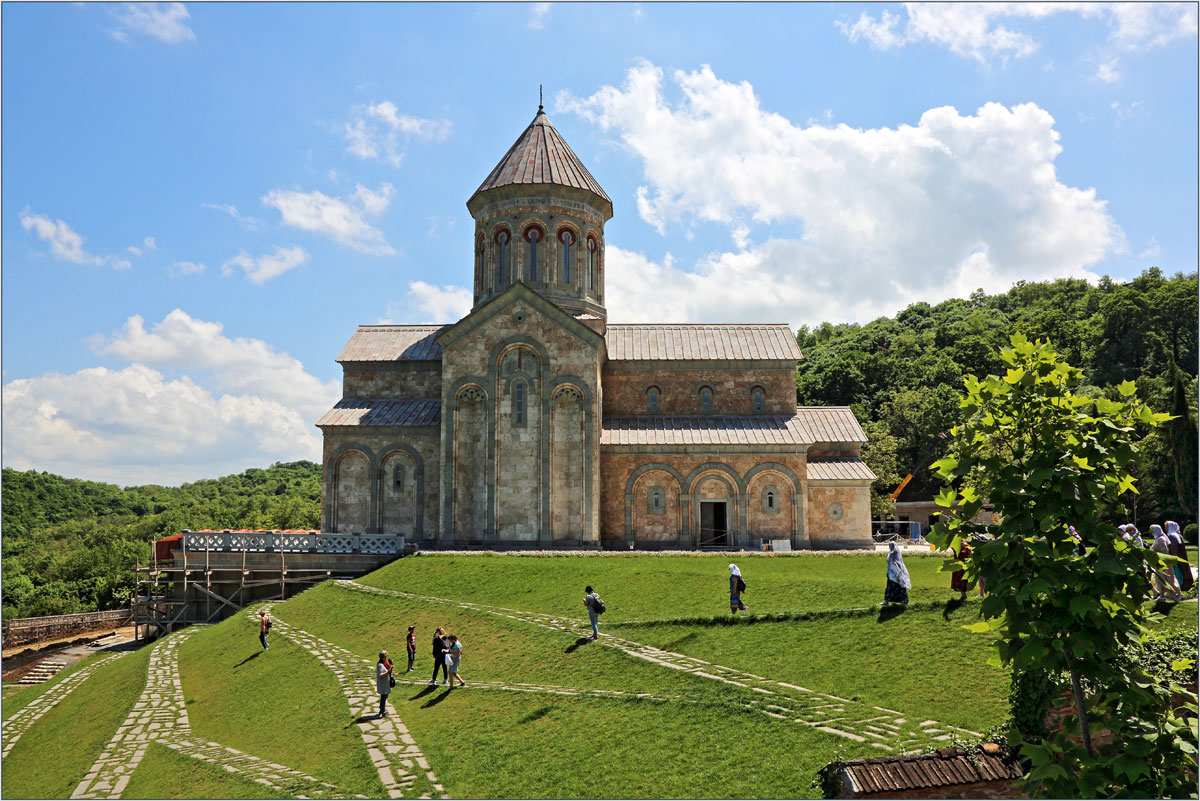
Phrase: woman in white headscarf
(736, 587)
(1163, 579)
(1183, 570)
(898, 582)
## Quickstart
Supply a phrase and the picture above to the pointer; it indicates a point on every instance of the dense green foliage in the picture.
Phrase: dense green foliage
(902, 375)
(1047, 457)
(69, 545)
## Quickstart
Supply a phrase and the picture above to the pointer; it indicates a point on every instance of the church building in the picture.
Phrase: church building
(534, 422)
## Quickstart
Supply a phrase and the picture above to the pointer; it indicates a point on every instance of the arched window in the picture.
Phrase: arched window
(652, 399)
(533, 235)
(591, 263)
(770, 500)
(502, 239)
(479, 263)
(756, 399)
(519, 403)
(566, 239)
(656, 501)
(398, 478)
(705, 399)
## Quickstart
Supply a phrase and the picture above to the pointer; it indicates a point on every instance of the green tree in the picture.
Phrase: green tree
(1182, 442)
(1045, 457)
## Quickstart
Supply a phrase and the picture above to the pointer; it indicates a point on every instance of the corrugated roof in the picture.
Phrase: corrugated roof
(839, 470)
(945, 767)
(392, 343)
(383, 412)
(541, 156)
(831, 424)
(702, 430)
(701, 342)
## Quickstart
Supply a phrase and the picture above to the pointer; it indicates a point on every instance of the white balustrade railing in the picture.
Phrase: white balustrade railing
(292, 542)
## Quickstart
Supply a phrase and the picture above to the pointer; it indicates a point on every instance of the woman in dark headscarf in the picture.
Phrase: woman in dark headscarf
(898, 582)
(1183, 570)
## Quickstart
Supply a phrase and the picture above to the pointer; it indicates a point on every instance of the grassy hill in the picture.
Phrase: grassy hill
(675, 700)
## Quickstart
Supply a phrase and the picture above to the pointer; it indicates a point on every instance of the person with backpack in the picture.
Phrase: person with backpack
(737, 586)
(264, 628)
(595, 608)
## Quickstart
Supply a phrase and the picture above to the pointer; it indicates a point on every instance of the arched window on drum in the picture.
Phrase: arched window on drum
(592, 256)
(533, 235)
(566, 239)
(502, 257)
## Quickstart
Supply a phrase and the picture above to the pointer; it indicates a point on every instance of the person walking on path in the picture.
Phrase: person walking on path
(1183, 570)
(264, 627)
(591, 600)
(1163, 579)
(410, 645)
(383, 681)
(453, 655)
(898, 582)
(958, 579)
(737, 586)
(439, 654)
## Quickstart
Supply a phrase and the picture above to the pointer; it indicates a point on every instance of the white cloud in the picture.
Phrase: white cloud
(137, 425)
(135, 250)
(1127, 111)
(978, 31)
(1153, 249)
(64, 242)
(341, 220)
(267, 266)
(382, 131)
(539, 15)
(166, 22)
(888, 215)
(187, 268)
(426, 303)
(1109, 71)
(150, 243)
(231, 210)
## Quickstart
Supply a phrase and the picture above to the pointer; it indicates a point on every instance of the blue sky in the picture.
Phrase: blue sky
(200, 202)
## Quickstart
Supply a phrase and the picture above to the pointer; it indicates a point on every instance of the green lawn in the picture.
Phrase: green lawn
(640, 587)
(257, 701)
(18, 696)
(53, 755)
(165, 773)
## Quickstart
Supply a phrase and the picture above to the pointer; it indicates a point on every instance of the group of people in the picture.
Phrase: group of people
(1171, 583)
(447, 655)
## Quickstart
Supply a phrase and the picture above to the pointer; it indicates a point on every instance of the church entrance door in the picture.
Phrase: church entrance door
(713, 532)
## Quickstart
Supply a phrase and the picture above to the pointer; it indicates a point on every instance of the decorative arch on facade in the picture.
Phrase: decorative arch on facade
(414, 487)
(667, 525)
(570, 438)
(788, 519)
(351, 492)
(467, 422)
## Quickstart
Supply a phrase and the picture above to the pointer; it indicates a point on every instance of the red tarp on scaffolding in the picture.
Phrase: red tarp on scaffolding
(163, 547)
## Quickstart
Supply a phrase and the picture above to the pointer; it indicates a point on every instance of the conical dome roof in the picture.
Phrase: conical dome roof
(541, 156)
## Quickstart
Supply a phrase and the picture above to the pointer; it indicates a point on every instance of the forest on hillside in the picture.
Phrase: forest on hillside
(69, 544)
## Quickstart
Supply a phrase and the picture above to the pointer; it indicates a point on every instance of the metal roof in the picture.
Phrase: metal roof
(541, 156)
(393, 343)
(701, 342)
(944, 767)
(383, 412)
(831, 424)
(702, 430)
(839, 470)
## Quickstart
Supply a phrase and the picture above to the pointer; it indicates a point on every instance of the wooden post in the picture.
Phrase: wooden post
(242, 583)
(282, 577)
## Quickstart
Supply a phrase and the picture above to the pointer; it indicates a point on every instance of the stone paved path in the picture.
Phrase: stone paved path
(390, 745)
(25, 717)
(160, 715)
(885, 729)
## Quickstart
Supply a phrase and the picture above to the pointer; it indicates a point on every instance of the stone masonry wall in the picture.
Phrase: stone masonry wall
(625, 388)
(359, 492)
(830, 528)
(398, 380)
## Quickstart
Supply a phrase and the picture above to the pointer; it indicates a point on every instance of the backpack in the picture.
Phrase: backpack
(597, 604)
(268, 624)
(741, 584)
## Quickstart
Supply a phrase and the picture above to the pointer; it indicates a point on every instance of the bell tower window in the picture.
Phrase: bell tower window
(533, 235)
(566, 239)
(502, 240)
(591, 263)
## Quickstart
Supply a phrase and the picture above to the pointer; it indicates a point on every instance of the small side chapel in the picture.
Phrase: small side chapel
(534, 422)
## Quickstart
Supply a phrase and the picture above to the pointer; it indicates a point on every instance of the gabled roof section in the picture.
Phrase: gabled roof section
(882, 777)
(831, 424)
(518, 291)
(541, 156)
(654, 342)
(839, 470)
(393, 343)
(416, 412)
(703, 430)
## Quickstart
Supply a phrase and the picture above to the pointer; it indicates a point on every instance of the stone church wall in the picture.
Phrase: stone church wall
(380, 479)
(394, 380)
(625, 388)
(839, 514)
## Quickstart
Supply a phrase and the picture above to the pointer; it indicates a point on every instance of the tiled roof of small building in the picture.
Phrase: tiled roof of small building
(831, 424)
(541, 156)
(839, 470)
(701, 342)
(702, 430)
(883, 776)
(383, 412)
(392, 343)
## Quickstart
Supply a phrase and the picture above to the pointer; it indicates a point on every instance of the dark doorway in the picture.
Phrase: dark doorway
(713, 532)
